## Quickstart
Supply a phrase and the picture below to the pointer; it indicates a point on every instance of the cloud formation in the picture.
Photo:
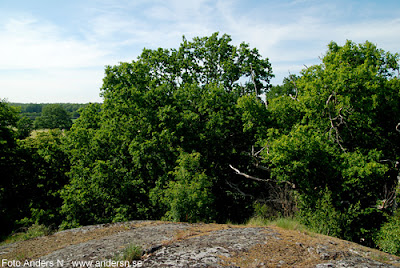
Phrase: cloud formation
(58, 53)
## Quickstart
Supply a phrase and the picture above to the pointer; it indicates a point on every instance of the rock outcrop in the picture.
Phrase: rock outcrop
(167, 244)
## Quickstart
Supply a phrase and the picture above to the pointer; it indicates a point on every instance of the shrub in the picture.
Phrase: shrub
(264, 211)
(36, 230)
(324, 218)
(189, 197)
(132, 252)
(388, 237)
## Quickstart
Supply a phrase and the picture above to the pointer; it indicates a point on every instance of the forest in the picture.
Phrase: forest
(198, 134)
(34, 110)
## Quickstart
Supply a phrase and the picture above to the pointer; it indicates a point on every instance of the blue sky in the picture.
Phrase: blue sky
(55, 51)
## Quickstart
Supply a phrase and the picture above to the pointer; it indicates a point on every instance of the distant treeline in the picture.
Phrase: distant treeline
(34, 110)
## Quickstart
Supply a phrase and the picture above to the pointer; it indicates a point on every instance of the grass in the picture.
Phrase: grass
(36, 230)
(289, 224)
(132, 253)
(284, 223)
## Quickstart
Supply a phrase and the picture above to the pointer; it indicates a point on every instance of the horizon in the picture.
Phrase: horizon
(56, 52)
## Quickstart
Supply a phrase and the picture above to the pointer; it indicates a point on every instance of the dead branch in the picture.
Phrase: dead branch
(329, 99)
(256, 154)
(295, 87)
(255, 85)
(336, 122)
(391, 195)
(398, 127)
(262, 167)
(281, 199)
(252, 78)
(237, 171)
(389, 200)
(235, 187)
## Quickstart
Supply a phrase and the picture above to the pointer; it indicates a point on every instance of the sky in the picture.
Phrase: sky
(56, 51)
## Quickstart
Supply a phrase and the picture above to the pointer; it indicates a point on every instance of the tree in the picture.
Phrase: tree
(166, 104)
(288, 88)
(32, 173)
(45, 164)
(9, 165)
(24, 127)
(336, 140)
(53, 116)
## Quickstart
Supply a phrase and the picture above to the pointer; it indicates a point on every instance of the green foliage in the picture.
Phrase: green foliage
(264, 211)
(175, 121)
(131, 253)
(124, 157)
(354, 96)
(53, 116)
(324, 218)
(304, 158)
(388, 237)
(33, 231)
(47, 164)
(255, 116)
(33, 171)
(332, 140)
(24, 127)
(189, 195)
(9, 165)
(34, 110)
(288, 88)
(286, 113)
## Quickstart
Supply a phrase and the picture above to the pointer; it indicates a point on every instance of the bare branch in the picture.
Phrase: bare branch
(389, 200)
(255, 154)
(262, 167)
(235, 187)
(329, 99)
(394, 162)
(335, 122)
(295, 87)
(237, 171)
(247, 176)
(252, 78)
(398, 127)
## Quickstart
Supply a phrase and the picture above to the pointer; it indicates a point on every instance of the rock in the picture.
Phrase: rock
(169, 244)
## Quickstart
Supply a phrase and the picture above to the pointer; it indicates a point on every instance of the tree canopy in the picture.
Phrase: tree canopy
(340, 140)
(165, 105)
(53, 116)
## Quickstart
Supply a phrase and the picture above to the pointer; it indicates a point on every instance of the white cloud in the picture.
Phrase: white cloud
(289, 33)
(30, 44)
(80, 86)
(298, 40)
(383, 32)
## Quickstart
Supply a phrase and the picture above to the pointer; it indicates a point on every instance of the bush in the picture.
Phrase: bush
(132, 252)
(324, 218)
(264, 211)
(388, 237)
(36, 230)
(189, 197)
